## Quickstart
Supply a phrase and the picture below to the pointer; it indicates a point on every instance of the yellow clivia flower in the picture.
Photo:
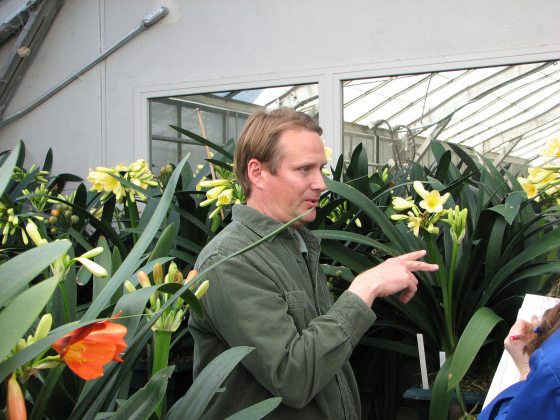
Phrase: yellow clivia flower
(432, 201)
(540, 175)
(224, 198)
(328, 153)
(552, 148)
(400, 203)
(414, 223)
(529, 188)
(213, 193)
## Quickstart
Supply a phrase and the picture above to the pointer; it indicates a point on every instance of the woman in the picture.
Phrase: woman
(535, 349)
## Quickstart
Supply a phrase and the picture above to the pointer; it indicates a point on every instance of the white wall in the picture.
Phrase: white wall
(205, 45)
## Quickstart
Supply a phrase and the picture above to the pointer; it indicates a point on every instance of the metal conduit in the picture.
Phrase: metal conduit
(150, 19)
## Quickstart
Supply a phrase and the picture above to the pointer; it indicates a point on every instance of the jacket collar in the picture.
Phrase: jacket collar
(262, 225)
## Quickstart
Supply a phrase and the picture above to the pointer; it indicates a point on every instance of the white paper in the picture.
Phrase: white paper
(507, 373)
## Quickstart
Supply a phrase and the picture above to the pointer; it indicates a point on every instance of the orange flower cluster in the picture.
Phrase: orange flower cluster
(87, 349)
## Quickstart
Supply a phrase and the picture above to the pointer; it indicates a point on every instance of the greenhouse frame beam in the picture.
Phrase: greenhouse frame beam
(520, 129)
(475, 92)
(26, 47)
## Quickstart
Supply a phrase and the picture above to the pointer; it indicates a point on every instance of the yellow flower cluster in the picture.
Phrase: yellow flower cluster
(543, 181)
(222, 192)
(107, 180)
(432, 204)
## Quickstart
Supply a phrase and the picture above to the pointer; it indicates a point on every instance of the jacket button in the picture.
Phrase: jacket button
(298, 260)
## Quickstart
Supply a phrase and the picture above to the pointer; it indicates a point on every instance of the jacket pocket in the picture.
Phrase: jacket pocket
(296, 308)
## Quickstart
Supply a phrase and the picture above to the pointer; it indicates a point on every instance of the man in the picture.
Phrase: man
(275, 297)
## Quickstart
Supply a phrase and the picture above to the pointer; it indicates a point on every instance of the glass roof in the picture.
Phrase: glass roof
(514, 110)
(509, 110)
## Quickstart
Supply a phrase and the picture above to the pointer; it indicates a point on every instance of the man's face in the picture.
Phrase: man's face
(298, 182)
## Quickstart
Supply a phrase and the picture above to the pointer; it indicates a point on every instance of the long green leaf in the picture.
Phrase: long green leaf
(164, 243)
(441, 397)
(204, 387)
(18, 271)
(357, 238)
(546, 243)
(142, 404)
(480, 325)
(8, 166)
(203, 141)
(20, 314)
(258, 410)
(371, 210)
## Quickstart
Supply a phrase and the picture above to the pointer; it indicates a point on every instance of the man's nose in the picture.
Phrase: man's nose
(319, 182)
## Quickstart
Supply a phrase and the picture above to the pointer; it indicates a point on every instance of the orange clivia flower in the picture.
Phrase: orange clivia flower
(15, 403)
(87, 349)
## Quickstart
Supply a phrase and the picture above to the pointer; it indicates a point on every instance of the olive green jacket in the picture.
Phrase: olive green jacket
(276, 300)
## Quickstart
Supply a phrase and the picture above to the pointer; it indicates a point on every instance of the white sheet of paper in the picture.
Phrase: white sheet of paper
(507, 373)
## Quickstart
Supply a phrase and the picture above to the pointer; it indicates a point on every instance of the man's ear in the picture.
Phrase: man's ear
(255, 172)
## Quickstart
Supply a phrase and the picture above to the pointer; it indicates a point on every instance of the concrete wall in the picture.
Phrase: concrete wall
(209, 45)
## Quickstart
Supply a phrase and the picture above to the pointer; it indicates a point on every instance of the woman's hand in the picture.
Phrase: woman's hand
(519, 334)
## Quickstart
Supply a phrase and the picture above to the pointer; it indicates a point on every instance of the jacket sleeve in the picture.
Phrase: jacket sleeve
(541, 391)
(246, 307)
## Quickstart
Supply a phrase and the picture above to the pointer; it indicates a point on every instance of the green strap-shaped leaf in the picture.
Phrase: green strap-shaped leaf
(142, 404)
(164, 243)
(8, 166)
(258, 410)
(17, 272)
(20, 314)
(203, 141)
(441, 397)
(371, 210)
(204, 387)
(546, 243)
(357, 238)
(480, 325)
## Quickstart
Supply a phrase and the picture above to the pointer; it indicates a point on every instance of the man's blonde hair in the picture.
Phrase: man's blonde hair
(259, 140)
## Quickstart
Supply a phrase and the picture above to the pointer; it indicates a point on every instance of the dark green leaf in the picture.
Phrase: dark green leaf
(481, 324)
(17, 272)
(142, 404)
(206, 384)
(258, 410)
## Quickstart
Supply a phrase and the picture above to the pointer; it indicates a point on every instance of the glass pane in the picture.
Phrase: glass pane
(513, 109)
(163, 115)
(221, 114)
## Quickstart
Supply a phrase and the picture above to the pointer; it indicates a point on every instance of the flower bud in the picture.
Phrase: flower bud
(15, 402)
(193, 273)
(202, 289)
(158, 273)
(21, 344)
(92, 252)
(33, 232)
(143, 279)
(93, 267)
(214, 183)
(170, 278)
(129, 287)
(44, 327)
(214, 192)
